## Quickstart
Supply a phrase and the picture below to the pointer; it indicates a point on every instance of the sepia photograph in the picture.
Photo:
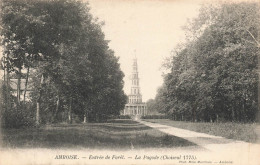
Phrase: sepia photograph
(138, 82)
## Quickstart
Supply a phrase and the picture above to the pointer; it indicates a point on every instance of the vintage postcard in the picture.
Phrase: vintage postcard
(169, 82)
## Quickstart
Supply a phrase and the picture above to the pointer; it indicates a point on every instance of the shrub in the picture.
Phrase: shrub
(155, 117)
(17, 117)
(123, 117)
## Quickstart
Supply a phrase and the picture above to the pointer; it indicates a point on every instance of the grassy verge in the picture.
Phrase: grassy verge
(117, 134)
(237, 131)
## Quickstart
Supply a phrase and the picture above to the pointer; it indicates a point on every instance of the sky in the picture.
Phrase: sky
(151, 28)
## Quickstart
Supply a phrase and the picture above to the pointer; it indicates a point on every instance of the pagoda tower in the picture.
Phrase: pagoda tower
(135, 106)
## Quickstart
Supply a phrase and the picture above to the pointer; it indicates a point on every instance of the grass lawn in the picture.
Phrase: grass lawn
(116, 134)
(237, 131)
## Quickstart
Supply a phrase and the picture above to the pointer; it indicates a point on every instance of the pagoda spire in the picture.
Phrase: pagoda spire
(135, 106)
(135, 89)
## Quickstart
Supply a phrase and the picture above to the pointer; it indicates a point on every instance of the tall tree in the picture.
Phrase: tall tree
(215, 75)
(65, 49)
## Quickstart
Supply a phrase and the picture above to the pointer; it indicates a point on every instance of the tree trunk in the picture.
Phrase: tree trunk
(7, 82)
(39, 103)
(193, 115)
(4, 69)
(26, 83)
(38, 114)
(233, 113)
(194, 112)
(57, 104)
(258, 70)
(85, 118)
(8, 98)
(69, 113)
(57, 108)
(96, 117)
(244, 114)
(19, 87)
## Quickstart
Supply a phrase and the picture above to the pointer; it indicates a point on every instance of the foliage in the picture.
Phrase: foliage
(214, 76)
(155, 117)
(73, 71)
(14, 117)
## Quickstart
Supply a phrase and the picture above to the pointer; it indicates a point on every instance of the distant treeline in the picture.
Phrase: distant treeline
(58, 47)
(213, 76)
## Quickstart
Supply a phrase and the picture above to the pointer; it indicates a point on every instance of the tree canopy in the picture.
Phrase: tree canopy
(214, 75)
(73, 70)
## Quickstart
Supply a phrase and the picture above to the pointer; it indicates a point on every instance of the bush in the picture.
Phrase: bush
(18, 117)
(155, 117)
(123, 117)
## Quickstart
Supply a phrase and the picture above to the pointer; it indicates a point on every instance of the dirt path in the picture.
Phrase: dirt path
(209, 142)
